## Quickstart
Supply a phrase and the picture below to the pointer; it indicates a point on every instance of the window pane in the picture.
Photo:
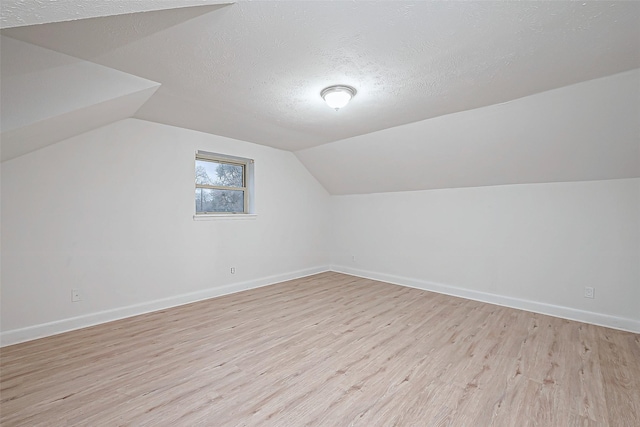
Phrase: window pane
(198, 199)
(210, 200)
(216, 173)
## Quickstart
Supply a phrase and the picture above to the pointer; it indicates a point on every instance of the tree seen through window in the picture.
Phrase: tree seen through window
(220, 187)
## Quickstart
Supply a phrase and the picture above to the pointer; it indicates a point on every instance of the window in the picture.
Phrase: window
(224, 184)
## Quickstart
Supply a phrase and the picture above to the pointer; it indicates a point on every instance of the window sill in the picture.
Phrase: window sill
(214, 217)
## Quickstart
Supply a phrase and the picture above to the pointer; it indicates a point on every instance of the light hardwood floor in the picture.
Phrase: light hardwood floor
(327, 350)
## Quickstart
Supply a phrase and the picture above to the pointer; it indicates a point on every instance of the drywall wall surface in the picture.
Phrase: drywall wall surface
(534, 246)
(110, 213)
(584, 132)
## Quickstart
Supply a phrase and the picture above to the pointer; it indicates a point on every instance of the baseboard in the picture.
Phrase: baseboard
(599, 319)
(65, 325)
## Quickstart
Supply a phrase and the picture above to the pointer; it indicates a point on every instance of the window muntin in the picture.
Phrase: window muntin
(221, 184)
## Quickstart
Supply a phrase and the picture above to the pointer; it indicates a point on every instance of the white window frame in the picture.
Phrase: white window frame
(248, 189)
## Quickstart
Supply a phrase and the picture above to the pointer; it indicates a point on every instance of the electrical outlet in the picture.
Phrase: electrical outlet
(75, 295)
(233, 270)
(353, 258)
(589, 292)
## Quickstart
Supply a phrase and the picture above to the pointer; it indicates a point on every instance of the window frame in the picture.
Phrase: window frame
(247, 188)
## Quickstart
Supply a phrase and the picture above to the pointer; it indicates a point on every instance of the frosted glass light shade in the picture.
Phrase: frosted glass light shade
(337, 96)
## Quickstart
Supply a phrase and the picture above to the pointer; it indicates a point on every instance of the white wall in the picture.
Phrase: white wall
(532, 246)
(110, 212)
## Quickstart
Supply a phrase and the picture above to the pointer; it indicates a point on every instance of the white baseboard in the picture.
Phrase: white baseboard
(52, 328)
(599, 319)
(65, 325)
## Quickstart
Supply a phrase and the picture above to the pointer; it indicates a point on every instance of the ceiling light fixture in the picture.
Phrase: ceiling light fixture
(338, 96)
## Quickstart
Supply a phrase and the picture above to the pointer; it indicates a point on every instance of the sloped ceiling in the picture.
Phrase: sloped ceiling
(586, 131)
(254, 70)
(48, 96)
(18, 13)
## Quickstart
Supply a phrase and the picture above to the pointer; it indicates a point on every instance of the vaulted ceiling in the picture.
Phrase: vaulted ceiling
(254, 70)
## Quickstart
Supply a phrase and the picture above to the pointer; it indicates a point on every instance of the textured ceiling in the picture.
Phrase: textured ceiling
(254, 70)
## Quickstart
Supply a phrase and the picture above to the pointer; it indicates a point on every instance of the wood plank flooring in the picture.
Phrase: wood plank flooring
(327, 350)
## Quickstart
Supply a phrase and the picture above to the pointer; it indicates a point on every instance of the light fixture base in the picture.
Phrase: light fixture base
(337, 96)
